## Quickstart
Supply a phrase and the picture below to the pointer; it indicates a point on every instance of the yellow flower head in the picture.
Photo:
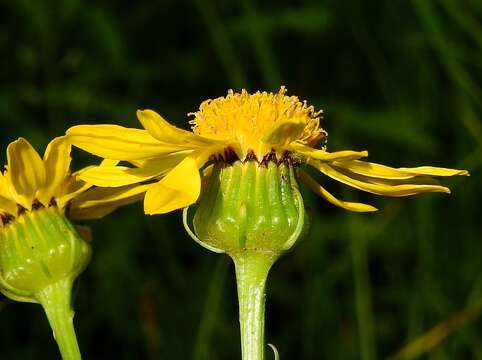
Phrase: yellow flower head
(258, 122)
(29, 182)
(241, 126)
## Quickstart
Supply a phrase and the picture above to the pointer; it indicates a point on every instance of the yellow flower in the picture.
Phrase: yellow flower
(29, 182)
(241, 126)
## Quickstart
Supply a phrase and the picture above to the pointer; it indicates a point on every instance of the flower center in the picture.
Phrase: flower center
(246, 119)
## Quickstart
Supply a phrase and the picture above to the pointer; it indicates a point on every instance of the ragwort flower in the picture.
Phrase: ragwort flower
(41, 251)
(251, 150)
(241, 126)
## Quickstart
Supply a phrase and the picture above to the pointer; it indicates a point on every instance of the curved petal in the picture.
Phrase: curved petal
(98, 202)
(163, 131)
(284, 132)
(26, 170)
(120, 143)
(179, 188)
(378, 188)
(321, 191)
(326, 156)
(57, 163)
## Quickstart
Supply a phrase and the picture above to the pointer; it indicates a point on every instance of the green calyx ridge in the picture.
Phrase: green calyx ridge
(248, 206)
(38, 249)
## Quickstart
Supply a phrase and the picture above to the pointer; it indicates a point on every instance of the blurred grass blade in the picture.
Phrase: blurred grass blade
(363, 291)
(222, 45)
(436, 335)
(210, 313)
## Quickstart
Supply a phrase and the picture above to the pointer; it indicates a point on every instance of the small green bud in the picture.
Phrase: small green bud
(250, 206)
(38, 249)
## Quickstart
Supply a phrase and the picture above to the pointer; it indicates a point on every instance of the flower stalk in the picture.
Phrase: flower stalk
(252, 270)
(56, 301)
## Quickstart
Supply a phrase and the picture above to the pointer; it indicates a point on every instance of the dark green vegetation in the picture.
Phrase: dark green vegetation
(399, 78)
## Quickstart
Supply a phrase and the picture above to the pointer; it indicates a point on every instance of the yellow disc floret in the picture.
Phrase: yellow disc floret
(249, 120)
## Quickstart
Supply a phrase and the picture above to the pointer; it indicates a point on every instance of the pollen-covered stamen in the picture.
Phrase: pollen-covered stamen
(247, 119)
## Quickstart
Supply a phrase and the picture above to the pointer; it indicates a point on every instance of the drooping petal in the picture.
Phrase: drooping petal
(326, 156)
(26, 170)
(386, 172)
(434, 171)
(163, 131)
(120, 143)
(374, 170)
(321, 191)
(178, 189)
(380, 188)
(98, 202)
(57, 163)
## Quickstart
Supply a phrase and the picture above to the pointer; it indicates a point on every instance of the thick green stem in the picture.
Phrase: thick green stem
(55, 300)
(252, 268)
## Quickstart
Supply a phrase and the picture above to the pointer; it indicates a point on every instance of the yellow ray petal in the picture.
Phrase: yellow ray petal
(3, 185)
(57, 163)
(434, 171)
(321, 191)
(283, 133)
(8, 206)
(98, 202)
(323, 155)
(116, 176)
(26, 169)
(374, 170)
(378, 188)
(178, 189)
(109, 162)
(385, 172)
(167, 133)
(120, 143)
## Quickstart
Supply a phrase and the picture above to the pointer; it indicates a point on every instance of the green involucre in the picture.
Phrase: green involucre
(38, 249)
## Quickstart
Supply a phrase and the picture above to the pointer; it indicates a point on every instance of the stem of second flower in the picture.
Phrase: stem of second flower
(252, 268)
(55, 300)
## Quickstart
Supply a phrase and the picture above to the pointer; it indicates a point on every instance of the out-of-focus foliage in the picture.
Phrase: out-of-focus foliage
(402, 79)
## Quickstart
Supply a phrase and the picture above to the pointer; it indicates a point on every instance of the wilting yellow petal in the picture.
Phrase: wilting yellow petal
(434, 171)
(320, 190)
(283, 133)
(8, 206)
(26, 169)
(178, 189)
(385, 172)
(163, 131)
(98, 202)
(323, 155)
(374, 170)
(57, 163)
(377, 188)
(120, 143)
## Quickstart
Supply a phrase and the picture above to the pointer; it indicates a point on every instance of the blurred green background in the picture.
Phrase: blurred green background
(401, 79)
